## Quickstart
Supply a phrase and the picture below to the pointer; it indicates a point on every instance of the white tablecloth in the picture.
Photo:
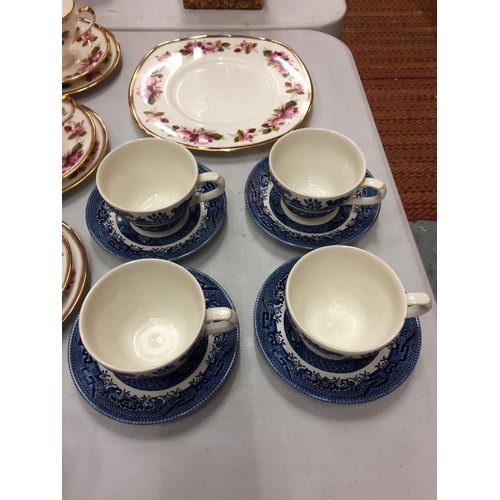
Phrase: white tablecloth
(320, 15)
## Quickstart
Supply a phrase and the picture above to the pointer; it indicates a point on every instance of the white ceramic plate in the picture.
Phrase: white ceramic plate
(100, 73)
(221, 92)
(66, 262)
(95, 157)
(78, 138)
(90, 50)
(78, 274)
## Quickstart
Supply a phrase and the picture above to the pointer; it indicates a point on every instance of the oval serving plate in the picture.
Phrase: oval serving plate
(220, 92)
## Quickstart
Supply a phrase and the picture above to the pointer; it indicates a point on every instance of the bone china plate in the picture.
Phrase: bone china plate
(95, 157)
(100, 73)
(78, 275)
(90, 51)
(78, 138)
(220, 93)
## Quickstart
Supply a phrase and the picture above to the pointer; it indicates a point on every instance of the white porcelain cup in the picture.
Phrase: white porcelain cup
(144, 318)
(315, 171)
(70, 17)
(152, 183)
(347, 303)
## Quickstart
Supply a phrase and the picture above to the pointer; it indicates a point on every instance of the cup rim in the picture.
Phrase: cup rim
(380, 262)
(101, 282)
(106, 160)
(66, 16)
(286, 137)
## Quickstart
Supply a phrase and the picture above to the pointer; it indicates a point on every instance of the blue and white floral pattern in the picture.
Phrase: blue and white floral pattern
(263, 203)
(158, 399)
(159, 221)
(311, 208)
(344, 382)
(115, 235)
(326, 352)
(165, 370)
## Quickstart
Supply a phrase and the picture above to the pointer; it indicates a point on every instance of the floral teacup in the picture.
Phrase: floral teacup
(69, 33)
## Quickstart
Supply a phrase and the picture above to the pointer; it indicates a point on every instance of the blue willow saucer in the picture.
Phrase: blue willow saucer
(263, 205)
(115, 235)
(344, 382)
(157, 400)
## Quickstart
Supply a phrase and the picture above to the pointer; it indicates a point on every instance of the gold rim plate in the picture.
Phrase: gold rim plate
(78, 278)
(105, 51)
(92, 131)
(158, 117)
(102, 72)
(92, 164)
(67, 271)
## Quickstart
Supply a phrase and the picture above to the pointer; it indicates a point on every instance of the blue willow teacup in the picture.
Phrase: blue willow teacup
(151, 183)
(315, 171)
(346, 303)
(145, 318)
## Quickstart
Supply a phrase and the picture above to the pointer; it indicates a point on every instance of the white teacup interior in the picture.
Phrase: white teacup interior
(317, 163)
(142, 315)
(67, 7)
(346, 298)
(146, 175)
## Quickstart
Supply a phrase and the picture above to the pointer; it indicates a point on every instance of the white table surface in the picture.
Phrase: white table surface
(138, 15)
(259, 438)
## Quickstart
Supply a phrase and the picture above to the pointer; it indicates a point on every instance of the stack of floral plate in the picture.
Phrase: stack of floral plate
(97, 54)
(84, 142)
(74, 269)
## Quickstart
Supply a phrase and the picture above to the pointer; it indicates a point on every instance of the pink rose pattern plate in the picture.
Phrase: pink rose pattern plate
(90, 51)
(78, 138)
(95, 157)
(285, 109)
(100, 73)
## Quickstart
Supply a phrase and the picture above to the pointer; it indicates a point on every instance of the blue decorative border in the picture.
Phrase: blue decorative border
(105, 392)
(210, 215)
(341, 382)
(350, 223)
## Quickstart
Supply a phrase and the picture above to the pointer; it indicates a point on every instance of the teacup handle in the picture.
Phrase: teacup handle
(369, 200)
(209, 177)
(71, 102)
(90, 26)
(220, 320)
(417, 304)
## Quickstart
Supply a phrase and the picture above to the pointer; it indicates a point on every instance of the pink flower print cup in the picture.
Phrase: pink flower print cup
(70, 18)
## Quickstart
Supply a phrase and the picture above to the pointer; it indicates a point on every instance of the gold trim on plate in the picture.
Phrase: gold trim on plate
(92, 126)
(226, 149)
(101, 155)
(109, 34)
(105, 54)
(65, 242)
(83, 277)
